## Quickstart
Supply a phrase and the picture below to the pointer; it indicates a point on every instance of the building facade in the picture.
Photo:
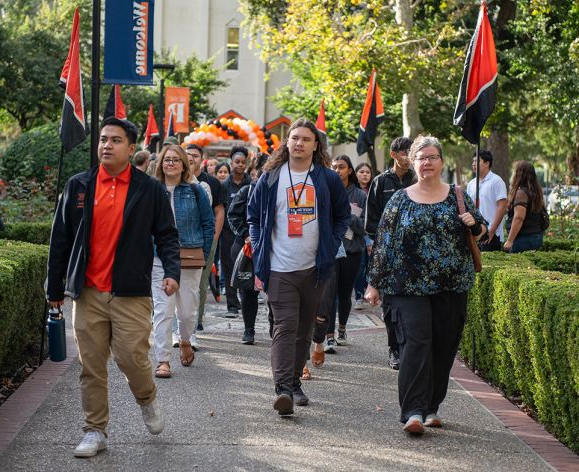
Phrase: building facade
(212, 29)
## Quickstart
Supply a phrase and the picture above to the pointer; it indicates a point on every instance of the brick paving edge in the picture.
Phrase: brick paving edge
(555, 454)
(23, 403)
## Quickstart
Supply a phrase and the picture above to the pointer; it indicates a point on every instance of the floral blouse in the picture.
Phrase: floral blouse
(421, 248)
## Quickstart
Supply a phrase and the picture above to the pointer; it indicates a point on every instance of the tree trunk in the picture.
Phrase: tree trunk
(411, 123)
(498, 144)
(572, 177)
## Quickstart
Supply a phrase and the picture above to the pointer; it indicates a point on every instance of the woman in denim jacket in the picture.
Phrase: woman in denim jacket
(194, 220)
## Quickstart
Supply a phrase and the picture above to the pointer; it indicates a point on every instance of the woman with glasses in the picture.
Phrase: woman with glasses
(422, 263)
(194, 220)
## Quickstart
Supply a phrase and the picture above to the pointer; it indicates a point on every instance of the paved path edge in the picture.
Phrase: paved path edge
(23, 403)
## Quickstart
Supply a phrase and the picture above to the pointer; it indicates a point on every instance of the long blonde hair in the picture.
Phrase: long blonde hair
(185, 174)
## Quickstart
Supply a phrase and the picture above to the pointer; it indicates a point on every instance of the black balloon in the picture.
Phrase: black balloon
(269, 142)
(267, 134)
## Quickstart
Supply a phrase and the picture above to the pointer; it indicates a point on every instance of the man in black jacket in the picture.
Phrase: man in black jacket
(101, 255)
(401, 175)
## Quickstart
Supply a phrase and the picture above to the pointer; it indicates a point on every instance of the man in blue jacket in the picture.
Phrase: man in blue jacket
(101, 255)
(298, 215)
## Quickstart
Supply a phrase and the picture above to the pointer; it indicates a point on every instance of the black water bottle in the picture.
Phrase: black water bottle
(56, 335)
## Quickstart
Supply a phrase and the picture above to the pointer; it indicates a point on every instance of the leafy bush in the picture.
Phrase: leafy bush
(559, 244)
(36, 152)
(22, 275)
(37, 233)
(526, 326)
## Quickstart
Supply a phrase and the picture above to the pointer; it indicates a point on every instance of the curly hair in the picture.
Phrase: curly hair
(281, 155)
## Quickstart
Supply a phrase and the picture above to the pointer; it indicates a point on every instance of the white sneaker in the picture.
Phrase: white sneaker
(330, 345)
(92, 443)
(153, 417)
(359, 304)
(175, 339)
(194, 342)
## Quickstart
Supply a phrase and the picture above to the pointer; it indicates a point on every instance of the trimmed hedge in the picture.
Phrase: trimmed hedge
(22, 275)
(36, 233)
(559, 244)
(526, 325)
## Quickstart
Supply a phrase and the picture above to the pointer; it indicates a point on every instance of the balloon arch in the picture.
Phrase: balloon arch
(235, 128)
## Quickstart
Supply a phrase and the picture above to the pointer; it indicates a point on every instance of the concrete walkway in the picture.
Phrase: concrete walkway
(219, 416)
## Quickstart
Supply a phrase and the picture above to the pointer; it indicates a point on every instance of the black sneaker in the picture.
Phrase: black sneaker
(248, 337)
(199, 327)
(300, 398)
(232, 312)
(341, 340)
(284, 402)
(393, 359)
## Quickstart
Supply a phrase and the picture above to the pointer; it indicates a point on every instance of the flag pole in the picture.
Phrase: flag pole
(95, 82)
(56, 193)
(477, 154)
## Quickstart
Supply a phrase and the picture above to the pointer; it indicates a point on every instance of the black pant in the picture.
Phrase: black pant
(326, 297)
(429, 330)
(494, 245)
(227, 240)
(249, 304)
(390, 328)
(346, 272)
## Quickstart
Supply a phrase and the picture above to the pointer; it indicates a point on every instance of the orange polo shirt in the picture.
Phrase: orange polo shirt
(107, 223)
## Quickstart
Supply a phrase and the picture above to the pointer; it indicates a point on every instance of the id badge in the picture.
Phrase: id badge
(294, 225)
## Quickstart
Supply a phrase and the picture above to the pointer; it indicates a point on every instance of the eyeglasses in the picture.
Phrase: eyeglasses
(174, 162)
(423, 159)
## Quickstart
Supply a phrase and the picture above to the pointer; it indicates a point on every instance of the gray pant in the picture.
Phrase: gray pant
(293, 297)
(428, 330)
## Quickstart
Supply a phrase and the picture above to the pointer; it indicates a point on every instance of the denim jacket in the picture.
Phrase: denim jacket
(193, 217)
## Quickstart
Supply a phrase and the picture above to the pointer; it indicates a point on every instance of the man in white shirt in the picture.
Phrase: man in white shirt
(492, 201)
(297, 215)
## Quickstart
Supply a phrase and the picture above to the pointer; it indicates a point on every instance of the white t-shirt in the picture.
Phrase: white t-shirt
(491, 190)
(289, 254)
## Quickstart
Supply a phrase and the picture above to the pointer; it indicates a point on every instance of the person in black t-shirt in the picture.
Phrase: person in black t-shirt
(195, 153)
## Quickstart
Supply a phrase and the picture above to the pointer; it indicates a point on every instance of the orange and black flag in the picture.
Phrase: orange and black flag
(152, 130)
(478, 89)
(73, 122)
(115, 106)
(321, 120)
(372, 116)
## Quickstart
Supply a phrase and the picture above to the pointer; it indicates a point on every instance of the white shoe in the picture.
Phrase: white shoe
(414, 425)
(194, 342)
(175, 339)
(153, 417)
(330, 345)
(359, 304)
(92, 443)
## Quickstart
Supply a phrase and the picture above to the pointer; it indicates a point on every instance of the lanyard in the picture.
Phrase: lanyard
(296, 200)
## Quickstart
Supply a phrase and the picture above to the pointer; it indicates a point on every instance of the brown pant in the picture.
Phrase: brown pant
(102, 324)
(293, 297)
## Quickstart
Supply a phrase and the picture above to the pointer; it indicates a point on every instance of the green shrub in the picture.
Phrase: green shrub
(561, 261)
(22, 275)
(559, 244)
(37, 233)
(36, 152)
(526, 326)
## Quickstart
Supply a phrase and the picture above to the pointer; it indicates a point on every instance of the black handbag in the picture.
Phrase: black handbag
(242, 277)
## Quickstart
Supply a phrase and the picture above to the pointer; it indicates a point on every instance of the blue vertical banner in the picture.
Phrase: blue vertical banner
(129, 42)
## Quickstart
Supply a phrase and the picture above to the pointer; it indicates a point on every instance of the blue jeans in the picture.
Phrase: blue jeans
(527, 242)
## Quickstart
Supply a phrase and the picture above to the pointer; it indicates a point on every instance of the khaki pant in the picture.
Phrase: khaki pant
(102, 324)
